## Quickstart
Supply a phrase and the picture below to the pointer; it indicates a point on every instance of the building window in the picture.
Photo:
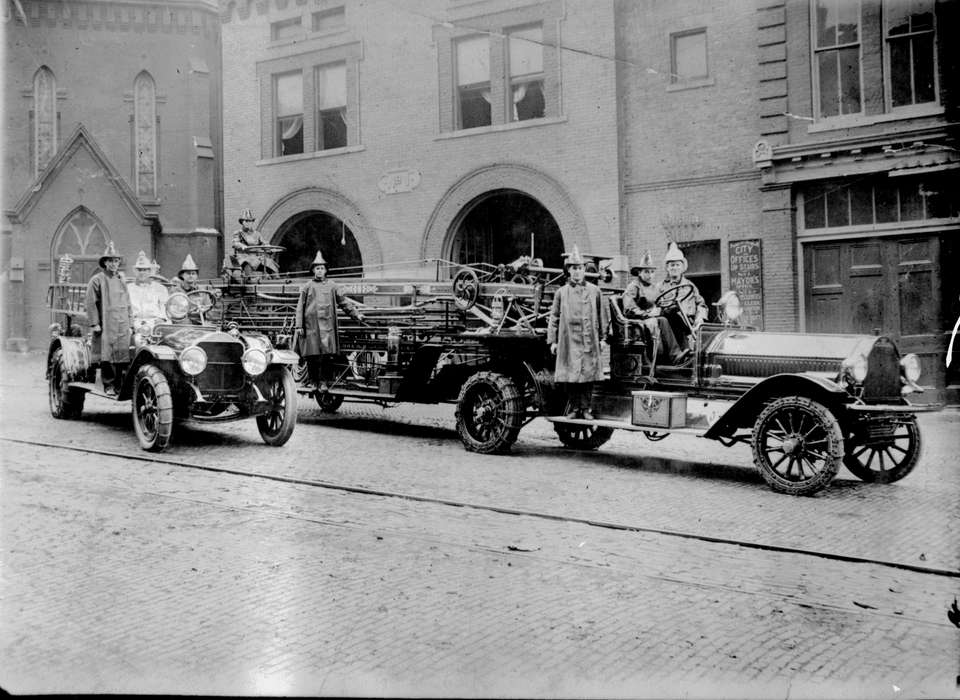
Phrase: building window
(473, 82)
(145, 135)
(703, 269)
(837, 57)
(525, 46)
(910, 39)
(286, 29)
(45, 118)
(688, 56)
(328, 20)
(288, 98)
(331, 91)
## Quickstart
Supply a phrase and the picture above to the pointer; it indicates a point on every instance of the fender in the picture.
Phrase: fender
(745, 410)
(283, 357)
(75, 353)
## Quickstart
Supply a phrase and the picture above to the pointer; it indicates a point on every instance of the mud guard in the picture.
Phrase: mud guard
(745, 410)
(75, 354)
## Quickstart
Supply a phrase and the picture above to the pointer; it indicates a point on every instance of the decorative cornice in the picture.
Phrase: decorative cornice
(737, 176)
(137, 16)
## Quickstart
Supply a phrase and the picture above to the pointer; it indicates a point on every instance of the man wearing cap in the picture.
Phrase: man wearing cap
(148, 297)
(186, 281)
(576, 332)
(693, 307)
(247, 236)
(639, 302)
(108, 312)
(316, 321)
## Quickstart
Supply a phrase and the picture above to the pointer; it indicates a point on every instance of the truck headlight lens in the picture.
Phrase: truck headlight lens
(193, 360)
(254, 361)
(910, 366)
(856, 368)
(178, 306)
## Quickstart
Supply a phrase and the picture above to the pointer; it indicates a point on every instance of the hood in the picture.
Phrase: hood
(799, 345)
(181, 337)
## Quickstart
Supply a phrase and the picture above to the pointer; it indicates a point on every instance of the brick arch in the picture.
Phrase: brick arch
(320, 199)
(449, 212)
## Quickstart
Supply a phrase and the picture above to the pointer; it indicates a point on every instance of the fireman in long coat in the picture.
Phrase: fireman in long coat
(577, 329)
(316, 320)
(109, 315)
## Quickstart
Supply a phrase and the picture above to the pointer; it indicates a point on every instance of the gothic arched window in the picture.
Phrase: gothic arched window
(44, 118)
(145, 135)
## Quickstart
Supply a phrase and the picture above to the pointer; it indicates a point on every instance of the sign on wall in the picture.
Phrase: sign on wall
(746, 278)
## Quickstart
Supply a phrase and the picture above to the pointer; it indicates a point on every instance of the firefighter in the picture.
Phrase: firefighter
(316, 322)
(148, 297)
(576, 331)
(186, 281)
(247, 236)
(694, 308)
(109, 314)
(639, 303)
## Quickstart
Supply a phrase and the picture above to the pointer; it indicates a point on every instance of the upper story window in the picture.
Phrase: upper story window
(857, 45)
(288, 98)
(331, 91)
(286, 29)
(145, 135)
(837, 56)
(473, 82)
(688, 56)
(328, 20)
(910, 49)
(525, 46)
(44, 118)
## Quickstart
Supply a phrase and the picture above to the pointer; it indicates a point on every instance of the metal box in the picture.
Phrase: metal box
(659, 409)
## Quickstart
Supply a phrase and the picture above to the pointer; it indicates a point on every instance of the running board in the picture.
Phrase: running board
(622, 425)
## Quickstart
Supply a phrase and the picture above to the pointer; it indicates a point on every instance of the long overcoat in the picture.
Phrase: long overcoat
(108, 306)
(317, 316)
(579, 320)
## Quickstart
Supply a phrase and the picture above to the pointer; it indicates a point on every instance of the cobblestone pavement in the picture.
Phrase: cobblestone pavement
(120, 575)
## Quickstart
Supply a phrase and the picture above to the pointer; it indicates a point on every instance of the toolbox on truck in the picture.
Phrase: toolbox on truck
(659, 409)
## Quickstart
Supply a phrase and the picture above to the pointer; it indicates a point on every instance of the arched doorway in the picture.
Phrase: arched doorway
(304, 233)
(83, 238)
(500, 226)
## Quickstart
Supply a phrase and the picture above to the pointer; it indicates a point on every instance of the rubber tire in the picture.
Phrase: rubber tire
(887, 476)
(278, 384)
(508, 421)
(833, 450)
(596, 435)
(151, 379)
(328, 403)
(65, 403)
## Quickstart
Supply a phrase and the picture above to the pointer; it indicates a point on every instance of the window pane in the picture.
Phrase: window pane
(898, 16)
(813, 207)
(826, 23)
(332, 129)
(886, 202)
(848, 21)
(328, 19)
(474, 108)
(900, 90)
(291, 135)
(923, 69)
(331, 86)
(838, 212)
(285, 29)
(922, 17)
(861, 203)
(911, 205)
(289, 94)
(690, 56)
(473, 60)
(528, 102)
(526, 51)
(829, 90)
(850, 79)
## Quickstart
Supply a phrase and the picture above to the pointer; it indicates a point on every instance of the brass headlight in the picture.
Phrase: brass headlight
(910, 366)
(856, 368)
(193, 360)
(178, 306)
(254, 361)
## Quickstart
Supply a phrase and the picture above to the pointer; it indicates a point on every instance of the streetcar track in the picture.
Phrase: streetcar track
(591, 522)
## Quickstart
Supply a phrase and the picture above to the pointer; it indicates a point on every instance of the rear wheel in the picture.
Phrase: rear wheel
(328, 403)
(582, 437)
(883, 451)
(797, 445)
(280, 390)
(65, 402)
(152, 408)
(489, 413)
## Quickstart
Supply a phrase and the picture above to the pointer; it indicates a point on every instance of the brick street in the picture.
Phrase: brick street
(125, 575)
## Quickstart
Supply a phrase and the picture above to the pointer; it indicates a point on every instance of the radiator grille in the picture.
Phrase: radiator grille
(882, 383)
(224, 371)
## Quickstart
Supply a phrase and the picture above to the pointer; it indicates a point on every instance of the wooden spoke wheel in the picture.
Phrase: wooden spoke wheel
(152, 409)
(64, 402)
(280, 390)
(489, 413)
(882, 452)
(328, 403)
(466, 289)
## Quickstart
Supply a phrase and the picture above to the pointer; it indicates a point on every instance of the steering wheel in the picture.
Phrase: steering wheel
(466, 289)
(673, 295)
(264, 249)
(202, 299)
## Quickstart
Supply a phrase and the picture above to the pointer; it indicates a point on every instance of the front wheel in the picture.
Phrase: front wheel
(897, 439)
(65, 402)
(582, 437)
(152, 408)
(280, 390)
(489, 413)
(797, 445)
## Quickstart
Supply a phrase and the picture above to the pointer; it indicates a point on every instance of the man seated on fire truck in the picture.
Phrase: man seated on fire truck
(638, 303)
(148, 297)
(691, 305)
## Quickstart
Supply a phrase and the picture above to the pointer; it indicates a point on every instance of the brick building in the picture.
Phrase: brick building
(111, 132)
(463, 129)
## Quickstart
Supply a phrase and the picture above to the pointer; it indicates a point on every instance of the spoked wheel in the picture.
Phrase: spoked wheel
(280, 390)
(797, 445)
(64, 401)
(489, 413)
(582, 437)
(152, 409)
(883, 451)
(466, 289)
(328, 403)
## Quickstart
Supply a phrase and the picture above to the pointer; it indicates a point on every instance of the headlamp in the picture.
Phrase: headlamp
(254, 361)
(193, 360)
(178, 306)
(910, 366)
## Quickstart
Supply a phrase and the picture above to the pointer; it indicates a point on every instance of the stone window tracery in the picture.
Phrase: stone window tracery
(145, 135)
(44, 118)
